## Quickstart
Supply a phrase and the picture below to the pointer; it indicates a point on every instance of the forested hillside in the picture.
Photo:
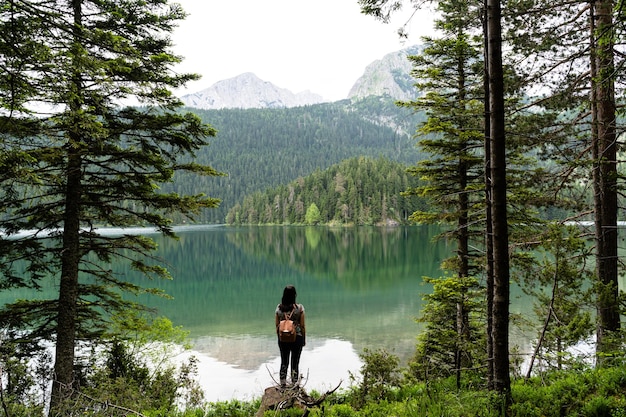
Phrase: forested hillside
(360, 191)
(262, 148)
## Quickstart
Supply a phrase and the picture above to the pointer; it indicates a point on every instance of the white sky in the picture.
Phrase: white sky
(317, 45)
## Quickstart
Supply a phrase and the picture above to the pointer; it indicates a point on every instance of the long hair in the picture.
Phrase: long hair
(289, 298)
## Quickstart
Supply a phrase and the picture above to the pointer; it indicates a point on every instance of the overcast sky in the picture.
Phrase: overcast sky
(317, 45)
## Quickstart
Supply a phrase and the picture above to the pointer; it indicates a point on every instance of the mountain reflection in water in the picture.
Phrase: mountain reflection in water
(362, 287)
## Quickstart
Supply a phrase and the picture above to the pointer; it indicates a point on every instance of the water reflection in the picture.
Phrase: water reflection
(363, 285)
(242, 367)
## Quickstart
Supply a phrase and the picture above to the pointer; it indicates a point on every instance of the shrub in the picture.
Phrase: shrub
(379, 374)
(597, 407)
(341, 410)
(232, 408)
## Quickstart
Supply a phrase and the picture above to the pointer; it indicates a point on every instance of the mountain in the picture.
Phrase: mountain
(389, 76)
(247, 91)
(267, 137)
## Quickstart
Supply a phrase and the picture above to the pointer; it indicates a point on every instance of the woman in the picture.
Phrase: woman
(289, 309)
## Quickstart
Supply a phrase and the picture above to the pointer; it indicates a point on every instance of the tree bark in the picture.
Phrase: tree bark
(605, 173)
(463, 251)
(70, 253)
(68, 289)
(488, 215)
(500, 327)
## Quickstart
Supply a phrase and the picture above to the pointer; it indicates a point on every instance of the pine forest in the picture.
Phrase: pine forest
(357, 191)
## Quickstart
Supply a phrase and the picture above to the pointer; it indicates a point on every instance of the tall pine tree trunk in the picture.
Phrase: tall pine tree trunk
(500, 312)
(463, 252)
(604, 173)
(70, 254)
(488, 215)
(68, 289)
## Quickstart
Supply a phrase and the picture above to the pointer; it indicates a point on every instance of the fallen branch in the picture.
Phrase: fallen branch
(280, 397)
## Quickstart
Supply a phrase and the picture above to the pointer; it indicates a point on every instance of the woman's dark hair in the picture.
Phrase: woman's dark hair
(289, 298)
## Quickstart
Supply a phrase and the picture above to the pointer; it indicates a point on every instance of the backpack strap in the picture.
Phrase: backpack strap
(295, 307)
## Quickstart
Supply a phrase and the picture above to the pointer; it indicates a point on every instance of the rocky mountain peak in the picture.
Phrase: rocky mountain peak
(389, 76)
(248, 91)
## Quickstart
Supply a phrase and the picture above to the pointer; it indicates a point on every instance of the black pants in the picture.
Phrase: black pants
(293, 350)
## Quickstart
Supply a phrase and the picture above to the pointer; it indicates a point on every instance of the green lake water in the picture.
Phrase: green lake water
(361, 288)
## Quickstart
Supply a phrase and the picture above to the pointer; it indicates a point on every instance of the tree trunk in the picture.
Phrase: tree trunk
(500, 328)
(68, 289)
(70, 254)
(605, 173)
(488, 216)
(463, 252)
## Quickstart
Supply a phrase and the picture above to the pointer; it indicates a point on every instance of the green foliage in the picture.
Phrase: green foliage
(233, 408)
(22, 377)
(263, 149)
(576, 393)
(558, 276)
(359, 191)
(140, 389)
(573, 393)
(378, 376)
(453, 339)
(88, 161)
(139, 366)
(289, 412)
(156, 339)
(25, 376)
(341, 410)
(312, 215)
(585, 393)
(137, 373)
(449, 70)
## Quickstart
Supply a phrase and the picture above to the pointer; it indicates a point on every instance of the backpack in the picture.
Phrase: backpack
(287, 328)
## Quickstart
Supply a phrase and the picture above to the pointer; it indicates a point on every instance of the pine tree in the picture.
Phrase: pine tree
(312, 215)
(449, 70)
(605, 178)
(570, 54)
(87, 161)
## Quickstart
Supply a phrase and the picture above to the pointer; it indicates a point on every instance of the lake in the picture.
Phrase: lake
(361, 287)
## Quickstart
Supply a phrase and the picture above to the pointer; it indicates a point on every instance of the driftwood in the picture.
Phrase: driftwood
(280, 397)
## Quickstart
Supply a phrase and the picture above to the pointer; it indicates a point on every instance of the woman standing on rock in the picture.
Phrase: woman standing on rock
(290, 352)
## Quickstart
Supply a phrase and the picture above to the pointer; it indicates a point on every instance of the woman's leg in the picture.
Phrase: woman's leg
(295, 360)
(284, 362)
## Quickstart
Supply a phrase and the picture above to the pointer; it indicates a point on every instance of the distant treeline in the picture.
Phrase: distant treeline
(359, 191)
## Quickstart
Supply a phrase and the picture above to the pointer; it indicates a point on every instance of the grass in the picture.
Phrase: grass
(591, 393)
